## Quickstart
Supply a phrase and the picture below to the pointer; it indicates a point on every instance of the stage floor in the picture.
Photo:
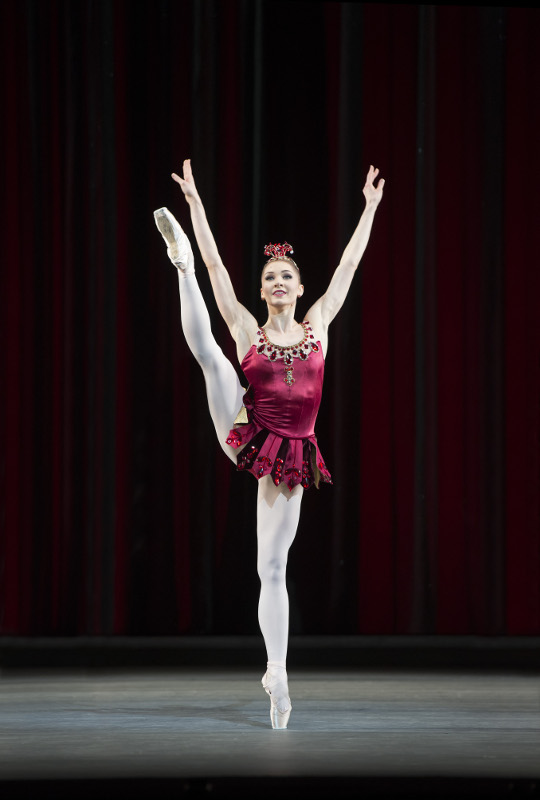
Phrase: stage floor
(206, 731)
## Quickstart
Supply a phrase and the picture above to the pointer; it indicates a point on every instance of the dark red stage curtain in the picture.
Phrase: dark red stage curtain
(120, 513)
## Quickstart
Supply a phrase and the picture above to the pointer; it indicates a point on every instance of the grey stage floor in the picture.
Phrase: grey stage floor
(207, 731)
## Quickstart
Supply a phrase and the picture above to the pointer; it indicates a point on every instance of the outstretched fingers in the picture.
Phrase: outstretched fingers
(372, 174)
(187, 183)
(188, 174)
(372, 191)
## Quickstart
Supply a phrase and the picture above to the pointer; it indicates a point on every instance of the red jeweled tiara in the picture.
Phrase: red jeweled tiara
(278, 252)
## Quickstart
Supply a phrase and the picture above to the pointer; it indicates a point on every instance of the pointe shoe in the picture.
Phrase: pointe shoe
(178, 246)
(274, 682)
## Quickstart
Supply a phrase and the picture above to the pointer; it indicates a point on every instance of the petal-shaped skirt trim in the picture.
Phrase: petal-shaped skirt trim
(287, 460)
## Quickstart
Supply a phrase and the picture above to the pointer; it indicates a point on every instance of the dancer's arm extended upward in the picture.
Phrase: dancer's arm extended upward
(240, 322)
(325, 309)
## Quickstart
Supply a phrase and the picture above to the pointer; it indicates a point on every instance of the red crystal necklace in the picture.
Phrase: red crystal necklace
(288, 352)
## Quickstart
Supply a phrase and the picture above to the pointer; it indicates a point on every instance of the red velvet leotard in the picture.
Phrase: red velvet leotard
(282, 401)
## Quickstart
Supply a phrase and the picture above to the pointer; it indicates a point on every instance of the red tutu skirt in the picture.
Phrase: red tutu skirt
(287, 460)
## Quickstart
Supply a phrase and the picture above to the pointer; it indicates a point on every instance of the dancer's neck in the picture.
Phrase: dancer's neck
(281, 322)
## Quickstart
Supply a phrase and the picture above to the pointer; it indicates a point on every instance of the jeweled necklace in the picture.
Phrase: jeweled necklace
(288, 352)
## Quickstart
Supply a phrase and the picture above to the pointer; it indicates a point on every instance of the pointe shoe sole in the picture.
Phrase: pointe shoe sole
(178, 246)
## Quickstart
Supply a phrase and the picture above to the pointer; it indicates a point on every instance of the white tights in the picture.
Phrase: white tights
(278, 509)
(223, 388)
(278, 512)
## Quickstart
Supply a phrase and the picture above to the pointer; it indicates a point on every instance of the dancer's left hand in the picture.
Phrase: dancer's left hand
(372, 193)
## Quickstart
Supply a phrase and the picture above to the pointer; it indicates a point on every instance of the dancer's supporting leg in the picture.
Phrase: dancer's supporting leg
(278, 513)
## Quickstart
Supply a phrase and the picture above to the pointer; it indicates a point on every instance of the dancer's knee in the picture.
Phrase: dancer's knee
(272, 570)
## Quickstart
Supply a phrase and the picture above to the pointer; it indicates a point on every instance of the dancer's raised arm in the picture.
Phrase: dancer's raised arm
(240, 322)
(325, 309)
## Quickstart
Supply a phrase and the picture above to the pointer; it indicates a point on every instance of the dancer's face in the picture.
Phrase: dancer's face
(280, 283)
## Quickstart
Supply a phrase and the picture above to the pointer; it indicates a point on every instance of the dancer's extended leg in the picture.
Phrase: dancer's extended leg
(278, 512)
(223, 387)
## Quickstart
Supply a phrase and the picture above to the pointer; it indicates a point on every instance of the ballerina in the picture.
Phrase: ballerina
(268, 430)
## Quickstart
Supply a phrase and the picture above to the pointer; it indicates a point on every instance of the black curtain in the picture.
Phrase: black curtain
(120, 513)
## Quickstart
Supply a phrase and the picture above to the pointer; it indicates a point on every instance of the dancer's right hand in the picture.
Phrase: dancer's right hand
(187, 183)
